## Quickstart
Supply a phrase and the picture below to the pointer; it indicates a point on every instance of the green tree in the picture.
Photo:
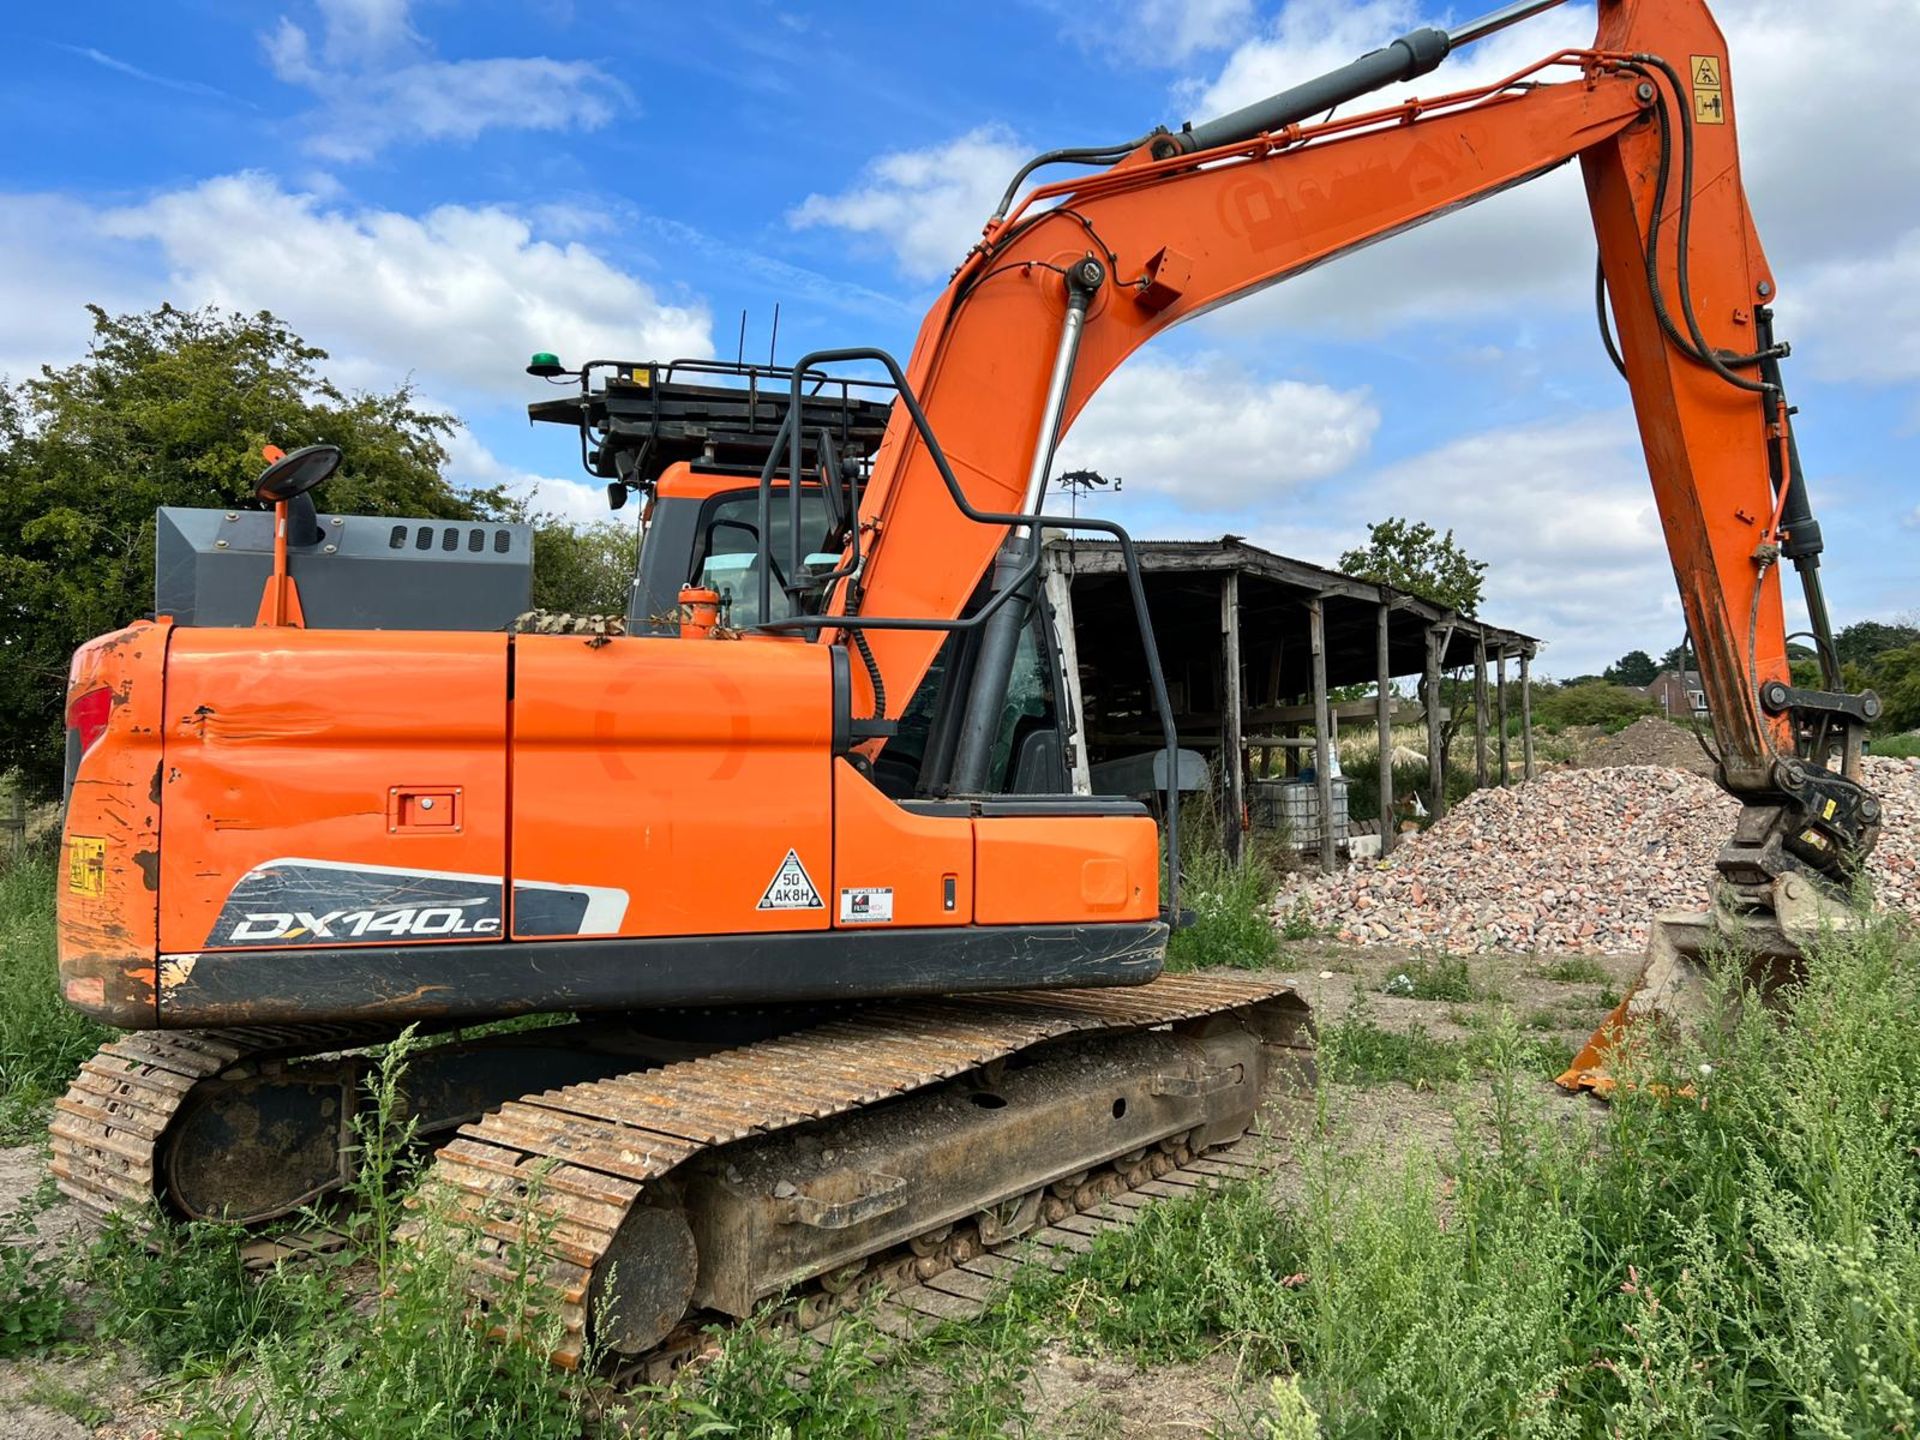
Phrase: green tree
(1865, 641)
(1636, 667)
(1896, 677)
(170, 407)
(582, 569)
(1412, 556)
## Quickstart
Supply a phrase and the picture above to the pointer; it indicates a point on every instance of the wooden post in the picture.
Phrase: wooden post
(1383, 720)
(1231, 713)
(1436, 757)
(1271, 696)
(1500, 706)
(1322, 728)
(1526, 715)
(1480, 709)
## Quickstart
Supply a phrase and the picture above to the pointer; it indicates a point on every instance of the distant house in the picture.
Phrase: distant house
(1678, 692)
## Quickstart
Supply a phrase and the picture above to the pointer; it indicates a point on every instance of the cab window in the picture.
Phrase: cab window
(726, 557)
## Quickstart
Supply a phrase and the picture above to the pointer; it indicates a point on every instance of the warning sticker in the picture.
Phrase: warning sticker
(791, 888)
(1709, 98)
(866, 907)
(86, 865)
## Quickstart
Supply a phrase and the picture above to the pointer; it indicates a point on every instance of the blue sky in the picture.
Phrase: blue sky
(432, 190)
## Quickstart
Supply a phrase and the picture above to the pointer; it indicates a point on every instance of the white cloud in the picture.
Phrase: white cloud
(1860, 315)
(926, 205)
(1561, 511)
(1173, 31)
(458, 99)
(54, 262)
(471, 466)
(361, 32)
(1805, 160)
(458, 295)
(1212, 436)
(375, 94)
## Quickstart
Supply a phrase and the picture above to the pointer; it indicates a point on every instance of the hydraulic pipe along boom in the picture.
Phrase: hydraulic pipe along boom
(1413, 54)
(998, 647)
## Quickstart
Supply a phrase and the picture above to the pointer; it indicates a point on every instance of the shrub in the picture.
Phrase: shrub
(1611, 707)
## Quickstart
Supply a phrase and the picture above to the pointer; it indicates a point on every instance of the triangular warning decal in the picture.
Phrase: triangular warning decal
(791, 888)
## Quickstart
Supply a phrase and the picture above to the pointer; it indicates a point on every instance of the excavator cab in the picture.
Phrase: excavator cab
(692, 436)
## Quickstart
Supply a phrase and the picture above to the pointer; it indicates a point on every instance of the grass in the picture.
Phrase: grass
(1357, 1050)
(1896, 747)
(1728, 1250)
(369, 1344)
(1738, 1257)
(1230, 901)
(42, 1040)
(1436, 977)
(1577, 970)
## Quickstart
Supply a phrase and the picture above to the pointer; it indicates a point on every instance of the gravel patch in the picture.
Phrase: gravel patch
(1576, 861)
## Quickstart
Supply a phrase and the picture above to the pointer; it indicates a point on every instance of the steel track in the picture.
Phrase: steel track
(108, 1127)
(563, 1171)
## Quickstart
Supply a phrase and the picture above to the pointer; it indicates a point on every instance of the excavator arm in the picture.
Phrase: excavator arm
(1069, 282)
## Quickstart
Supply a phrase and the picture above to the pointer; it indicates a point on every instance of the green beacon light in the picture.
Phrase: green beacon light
(545, 364)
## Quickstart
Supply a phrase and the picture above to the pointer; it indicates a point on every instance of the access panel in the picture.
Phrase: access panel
(682, 787)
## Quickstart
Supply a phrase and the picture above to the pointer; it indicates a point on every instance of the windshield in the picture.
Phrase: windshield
(727, 556)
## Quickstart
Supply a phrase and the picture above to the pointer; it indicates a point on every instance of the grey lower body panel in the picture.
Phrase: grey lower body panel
(499, 978)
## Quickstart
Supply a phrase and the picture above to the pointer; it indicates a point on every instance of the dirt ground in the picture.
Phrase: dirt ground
(1650, 740)
(94, 1394)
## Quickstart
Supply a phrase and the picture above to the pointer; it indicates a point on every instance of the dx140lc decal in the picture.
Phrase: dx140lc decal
(321, 902)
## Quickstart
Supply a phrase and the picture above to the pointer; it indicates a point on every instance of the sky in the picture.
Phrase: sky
(432, 190)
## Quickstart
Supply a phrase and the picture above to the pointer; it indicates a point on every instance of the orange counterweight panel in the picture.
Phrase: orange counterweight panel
(109, 876)
(1041, 869)
(687, 784)
(332, 787)
(892, 866)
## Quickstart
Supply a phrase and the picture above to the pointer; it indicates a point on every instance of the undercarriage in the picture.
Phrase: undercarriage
(668, 1170)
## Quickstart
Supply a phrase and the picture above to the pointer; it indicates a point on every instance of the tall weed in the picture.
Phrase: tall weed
(406, 1361)
(42, 1039)
(1230, 901)
(1733, 1248)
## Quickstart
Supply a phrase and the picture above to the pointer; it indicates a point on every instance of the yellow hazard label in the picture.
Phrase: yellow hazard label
(1831, 806)
(86, 865)
(1709, 91)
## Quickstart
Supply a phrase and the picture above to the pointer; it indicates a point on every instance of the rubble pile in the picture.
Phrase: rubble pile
(1650, 740)
(1575, 861)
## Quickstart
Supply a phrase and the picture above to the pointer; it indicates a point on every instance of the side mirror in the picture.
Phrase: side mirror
(295, 474)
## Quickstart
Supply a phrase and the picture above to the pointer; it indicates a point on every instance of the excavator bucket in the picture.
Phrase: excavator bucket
(1674, 989)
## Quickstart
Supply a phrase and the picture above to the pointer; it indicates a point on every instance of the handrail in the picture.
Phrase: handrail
(816, 624)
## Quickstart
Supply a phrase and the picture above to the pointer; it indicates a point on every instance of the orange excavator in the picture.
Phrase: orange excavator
(844, 971)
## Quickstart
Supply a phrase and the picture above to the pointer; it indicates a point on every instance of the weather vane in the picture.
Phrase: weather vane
(1080, 482)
